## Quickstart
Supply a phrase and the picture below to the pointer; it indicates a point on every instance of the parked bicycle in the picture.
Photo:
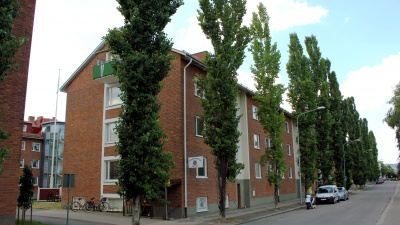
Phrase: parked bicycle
(76, 205)
(90, 205)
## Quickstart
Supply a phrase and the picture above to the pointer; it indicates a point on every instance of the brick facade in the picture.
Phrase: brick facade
(12, 103)
(87, 155)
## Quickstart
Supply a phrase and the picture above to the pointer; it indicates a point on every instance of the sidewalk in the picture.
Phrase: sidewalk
(236, 216)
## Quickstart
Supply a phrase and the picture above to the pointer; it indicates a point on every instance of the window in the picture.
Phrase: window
(256, 141)
(197, 91)
(269, 168)
(267, 142)
(111, 135)
(35, 181)
(287, 127)
(258, 170)
(23, 145)
(201, 204)
(35, 163)
(21, 163)
(255, 109)
(25, 128)
(290, 172)
(36, 147)
(283, 174)
(113, 96)
(288, 149)
(199, 126)
(112, 170)
(202, 172)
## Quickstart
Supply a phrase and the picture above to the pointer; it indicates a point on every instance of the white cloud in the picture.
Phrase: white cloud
(285, 14)
(372, 87)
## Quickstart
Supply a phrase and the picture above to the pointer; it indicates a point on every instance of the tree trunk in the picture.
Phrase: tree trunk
(222, 174)
(276, 197)
(136, 210)
(23, 216)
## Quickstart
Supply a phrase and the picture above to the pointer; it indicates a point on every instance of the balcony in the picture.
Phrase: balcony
(104, 73)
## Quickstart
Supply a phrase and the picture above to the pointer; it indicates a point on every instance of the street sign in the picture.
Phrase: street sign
(69, 180)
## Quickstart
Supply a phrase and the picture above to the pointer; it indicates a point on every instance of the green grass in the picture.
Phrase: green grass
(28, 222)
(46, 205)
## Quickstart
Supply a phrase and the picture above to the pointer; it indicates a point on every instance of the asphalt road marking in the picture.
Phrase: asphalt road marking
(383, 215)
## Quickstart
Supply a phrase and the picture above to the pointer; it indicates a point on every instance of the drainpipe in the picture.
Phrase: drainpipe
(184, 130)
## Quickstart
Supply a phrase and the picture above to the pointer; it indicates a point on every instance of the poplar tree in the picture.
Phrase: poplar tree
(303, 97)
(268, 95)
(142, 48)
(374, 161)
(221, 22)
(25, 190)
(393, 114)
(9, 46)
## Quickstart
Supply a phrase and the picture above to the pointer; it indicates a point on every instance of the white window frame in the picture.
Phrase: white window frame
(256, 141)
(283, 175)
(23, 163)
(258, 171)
(196, 90)
(289, 152)
(255, 110)
(205, 169)
(108, 97)
(23, 146)
(36, 144)
(290, 173)
(38, 164)
(198, 120)
(269, 168)
(287, 127)
(107, 172)
(107, 132)
(35, 181)
(25, 128)
(198, 207)
(267, 142)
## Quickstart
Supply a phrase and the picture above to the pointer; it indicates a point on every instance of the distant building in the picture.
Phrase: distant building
(12, 103)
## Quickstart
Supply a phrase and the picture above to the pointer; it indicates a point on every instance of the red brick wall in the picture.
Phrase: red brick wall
(12, 102)
(28, 155)
(83, 134)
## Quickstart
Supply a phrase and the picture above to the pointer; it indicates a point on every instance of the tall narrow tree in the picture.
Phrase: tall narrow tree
(303, 97)
(393, 115)
(143, 50)
(374, 162)
(221, 21)
(268, 95)
(25, 190)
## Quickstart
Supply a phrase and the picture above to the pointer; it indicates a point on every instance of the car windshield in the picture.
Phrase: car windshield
(322, 190)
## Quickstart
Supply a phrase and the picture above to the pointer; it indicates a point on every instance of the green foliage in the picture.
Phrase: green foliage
(374, 167)
(25, 188)
(3, 151)
(221, 22)
(393, 115)
(268, 95)
(303, 97)
(143, 50)
(9, 44)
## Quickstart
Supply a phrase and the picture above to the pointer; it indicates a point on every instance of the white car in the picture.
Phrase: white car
(327, 193)
(343, 194)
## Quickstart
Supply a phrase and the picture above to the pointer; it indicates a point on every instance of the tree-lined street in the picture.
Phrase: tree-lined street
(365, 207)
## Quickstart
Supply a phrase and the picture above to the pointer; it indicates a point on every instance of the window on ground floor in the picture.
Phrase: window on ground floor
(258, 170)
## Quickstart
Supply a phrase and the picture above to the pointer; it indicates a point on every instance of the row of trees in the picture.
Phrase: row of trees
(143, 49)
(335, 143)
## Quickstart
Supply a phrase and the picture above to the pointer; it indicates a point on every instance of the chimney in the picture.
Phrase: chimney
(39, 120)
(31, 119)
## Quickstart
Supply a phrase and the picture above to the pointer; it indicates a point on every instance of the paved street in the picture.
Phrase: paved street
(371, 206)
(374, 205)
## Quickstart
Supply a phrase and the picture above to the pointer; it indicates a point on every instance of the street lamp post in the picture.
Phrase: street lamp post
(298, 146)
(344, 160)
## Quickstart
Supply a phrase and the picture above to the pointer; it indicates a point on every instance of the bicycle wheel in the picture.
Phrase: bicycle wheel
(88, 207)
(75, 206)
(104, 207)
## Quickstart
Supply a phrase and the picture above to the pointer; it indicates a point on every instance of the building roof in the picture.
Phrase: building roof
(32, 136)
(185, 56)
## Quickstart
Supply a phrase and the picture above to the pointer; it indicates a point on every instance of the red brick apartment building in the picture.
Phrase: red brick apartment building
(32, 142)
(92, 109)
(12, 103)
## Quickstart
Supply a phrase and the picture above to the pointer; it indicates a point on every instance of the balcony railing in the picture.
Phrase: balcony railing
(103, 70)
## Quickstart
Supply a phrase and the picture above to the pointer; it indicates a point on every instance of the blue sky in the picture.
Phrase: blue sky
(360, 38)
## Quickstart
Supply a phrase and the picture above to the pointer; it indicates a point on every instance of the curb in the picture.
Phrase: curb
(269, 215)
